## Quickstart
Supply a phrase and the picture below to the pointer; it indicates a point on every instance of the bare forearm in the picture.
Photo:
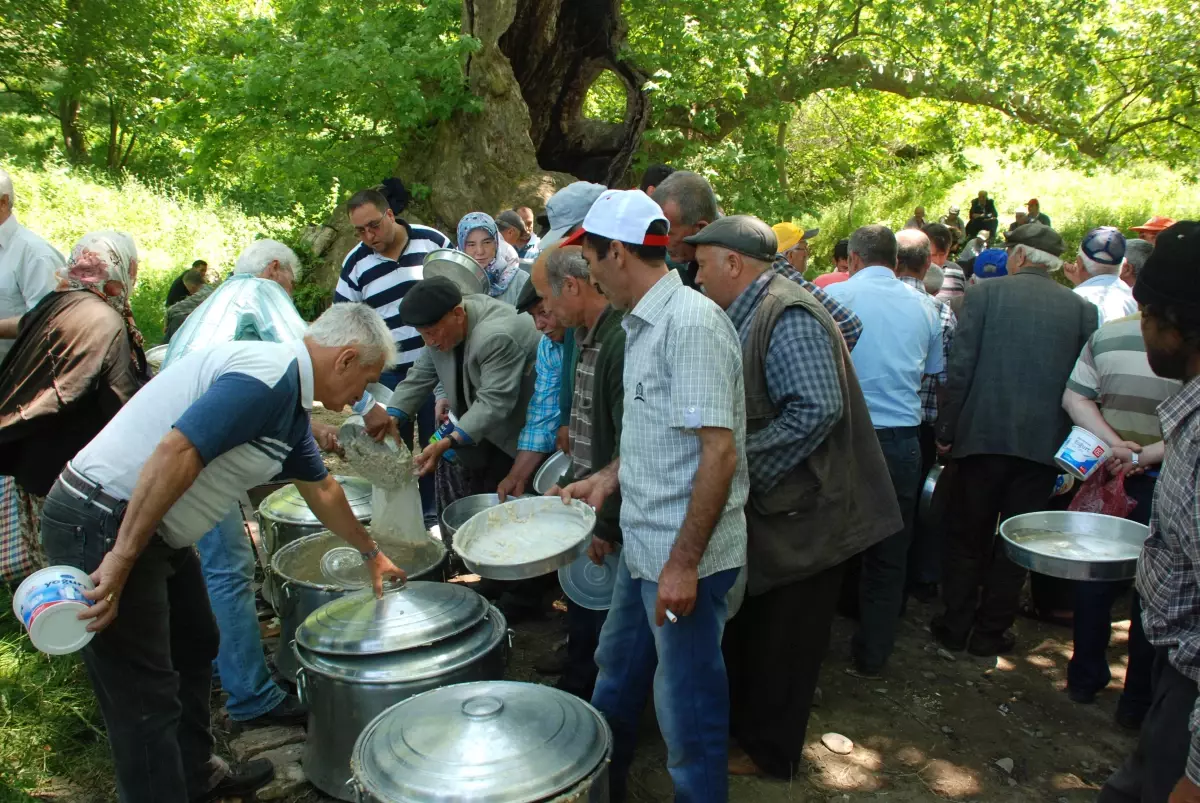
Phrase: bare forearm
(328, 502)
(710, 490)
(1085, 413)
(166, 476)
(9, 326)
(526, 464)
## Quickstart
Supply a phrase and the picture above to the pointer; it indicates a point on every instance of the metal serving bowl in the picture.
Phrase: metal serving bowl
(504, 543)
(460, 512)
(1074, 546)
(458, 268)
(551, 472)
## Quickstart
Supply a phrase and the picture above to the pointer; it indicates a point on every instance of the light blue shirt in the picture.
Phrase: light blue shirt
(901, 342)
(541, 417)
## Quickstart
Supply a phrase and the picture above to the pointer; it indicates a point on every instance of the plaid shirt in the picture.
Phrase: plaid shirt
(581, 407)
(929, 384)
(802, 381)
(541, 417)
(846, 320)
(683, 372)
(1167, 576)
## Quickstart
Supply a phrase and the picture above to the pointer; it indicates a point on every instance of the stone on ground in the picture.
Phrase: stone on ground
(837, 743)
(259, 740)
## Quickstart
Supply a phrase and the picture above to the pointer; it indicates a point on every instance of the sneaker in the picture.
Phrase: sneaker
(991, 646)
(241, 781)
(290, 711)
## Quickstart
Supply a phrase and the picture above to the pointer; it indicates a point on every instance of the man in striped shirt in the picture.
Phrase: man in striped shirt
(385, 266)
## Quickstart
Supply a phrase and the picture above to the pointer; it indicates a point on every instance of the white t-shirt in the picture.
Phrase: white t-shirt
(27, 267)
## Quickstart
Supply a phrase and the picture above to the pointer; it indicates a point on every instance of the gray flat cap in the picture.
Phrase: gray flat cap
(744, 234)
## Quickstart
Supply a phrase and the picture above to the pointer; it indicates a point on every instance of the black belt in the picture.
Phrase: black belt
(90, 491)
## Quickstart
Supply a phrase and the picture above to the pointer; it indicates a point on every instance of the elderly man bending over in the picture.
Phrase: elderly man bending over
(815, 470)
(128, 508)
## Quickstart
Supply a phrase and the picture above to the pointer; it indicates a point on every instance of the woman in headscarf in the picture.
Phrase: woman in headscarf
(76, 360)
(479, 239)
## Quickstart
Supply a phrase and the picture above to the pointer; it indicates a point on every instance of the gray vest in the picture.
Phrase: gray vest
(840, 500)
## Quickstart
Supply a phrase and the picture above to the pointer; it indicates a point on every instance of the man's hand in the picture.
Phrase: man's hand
(944, 449)
(598, 549)
(512, 485)
(1120, 460)
(441, 411)
(381, 566)
(1185, 792)
(378, 423)
(109, 577)
(677, 586)
(593, 490)
(427, 459)
(326, 437)
(562, 441)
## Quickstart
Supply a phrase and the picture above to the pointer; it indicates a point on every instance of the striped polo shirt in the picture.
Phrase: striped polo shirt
(1113, 371)
(381, 283)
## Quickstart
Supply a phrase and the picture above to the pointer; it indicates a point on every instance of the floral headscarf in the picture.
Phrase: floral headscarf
(501, 270)
(105, 263)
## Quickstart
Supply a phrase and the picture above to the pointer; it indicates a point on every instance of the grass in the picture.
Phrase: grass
(50, 727)
(171, 230)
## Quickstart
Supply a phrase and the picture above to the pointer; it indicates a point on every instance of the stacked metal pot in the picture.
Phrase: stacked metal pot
(360, 655)
(488, 742)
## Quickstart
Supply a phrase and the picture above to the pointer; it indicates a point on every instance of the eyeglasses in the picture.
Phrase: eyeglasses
(372, 227)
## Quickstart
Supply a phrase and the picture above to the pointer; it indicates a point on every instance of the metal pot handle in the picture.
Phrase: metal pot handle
(287, 601)
(301, 682)
(357, 790)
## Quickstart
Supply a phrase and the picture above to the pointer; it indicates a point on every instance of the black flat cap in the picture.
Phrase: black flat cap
(745, 234)
(428, 301)
(510, 220)
(1171, 276)
(529, 297)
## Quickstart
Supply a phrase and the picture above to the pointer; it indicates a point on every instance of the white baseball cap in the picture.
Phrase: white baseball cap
(623, 215)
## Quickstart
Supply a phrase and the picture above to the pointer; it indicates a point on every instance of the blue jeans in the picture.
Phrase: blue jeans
(227, 560)
(684, 664)
(425, 429)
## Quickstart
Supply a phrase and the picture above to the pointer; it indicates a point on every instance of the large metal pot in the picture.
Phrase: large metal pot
(360, 656)
(489, 742)
(283, 517)
(303, 586)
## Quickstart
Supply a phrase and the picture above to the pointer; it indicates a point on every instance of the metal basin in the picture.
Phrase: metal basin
(551, 472)
(458, 268)
(460, 512)
(935, 495)
(525, 537)
(1074, 546)
(154, 358)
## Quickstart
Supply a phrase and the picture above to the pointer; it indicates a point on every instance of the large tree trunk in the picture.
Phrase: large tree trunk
(537, 60)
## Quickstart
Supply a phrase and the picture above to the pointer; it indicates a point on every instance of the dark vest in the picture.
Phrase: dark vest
(840, 500)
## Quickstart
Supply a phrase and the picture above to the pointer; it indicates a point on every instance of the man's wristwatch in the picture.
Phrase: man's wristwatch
(370, 556)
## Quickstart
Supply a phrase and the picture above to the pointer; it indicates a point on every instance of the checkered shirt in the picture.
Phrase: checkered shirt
(849, 323)
(541, 416)
(954, 282)
(929, 384)
(581, 403)
(683, 371)
(1167, 576)
(802, 381)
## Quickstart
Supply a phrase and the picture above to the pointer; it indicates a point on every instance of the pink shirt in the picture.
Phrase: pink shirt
(826, 279)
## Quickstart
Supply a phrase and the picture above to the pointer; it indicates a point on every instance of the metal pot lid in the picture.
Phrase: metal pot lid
(420, 663)
(287, 505)
(494, 741)
(551, 472)
(588, 585)
(323, 561)
(408, 616)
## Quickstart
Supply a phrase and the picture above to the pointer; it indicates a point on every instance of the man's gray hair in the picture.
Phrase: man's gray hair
(6, 188)
(1136, 254)
(875, 245)
(564, 262)
(912, 251)
(261, 253)
(355, 324)
(1095, 268)
(692, 193)
(1035, 256)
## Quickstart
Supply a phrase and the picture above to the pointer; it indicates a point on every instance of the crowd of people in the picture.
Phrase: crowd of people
(752, 442)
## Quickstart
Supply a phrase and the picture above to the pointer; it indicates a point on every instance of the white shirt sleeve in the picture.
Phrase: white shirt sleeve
(36, 277)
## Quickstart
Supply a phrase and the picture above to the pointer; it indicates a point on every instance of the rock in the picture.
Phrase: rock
(259, 740)
(282, 756)
(946, 729)
(289, 779)
(946, 654)
(929, 675)
(1012, 781)
(837, 743)
(1006, 764)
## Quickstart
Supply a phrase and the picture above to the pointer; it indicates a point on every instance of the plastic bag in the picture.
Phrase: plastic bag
(1104, 492)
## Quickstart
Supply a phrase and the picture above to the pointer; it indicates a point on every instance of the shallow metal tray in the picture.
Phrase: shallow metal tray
(1085, 546)
(551, 472)
(503, 529)
(458, 268)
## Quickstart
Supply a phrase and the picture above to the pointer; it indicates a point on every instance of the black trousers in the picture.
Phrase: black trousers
(773, 652)
(1158, 761)
(981, 587)
(151, 669)
(583, 637)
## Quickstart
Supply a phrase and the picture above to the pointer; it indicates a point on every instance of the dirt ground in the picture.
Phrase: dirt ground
(937, 726)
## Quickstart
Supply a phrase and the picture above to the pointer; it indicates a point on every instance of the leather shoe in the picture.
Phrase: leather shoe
(740, 763)
(289, 711)
(990, 646)
(243, 780)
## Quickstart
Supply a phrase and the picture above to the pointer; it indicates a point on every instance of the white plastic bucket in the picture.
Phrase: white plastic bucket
(48, 603)
(1081, 453)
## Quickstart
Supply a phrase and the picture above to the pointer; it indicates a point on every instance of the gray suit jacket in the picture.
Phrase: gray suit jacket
(499, 357)
(1016, 343)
